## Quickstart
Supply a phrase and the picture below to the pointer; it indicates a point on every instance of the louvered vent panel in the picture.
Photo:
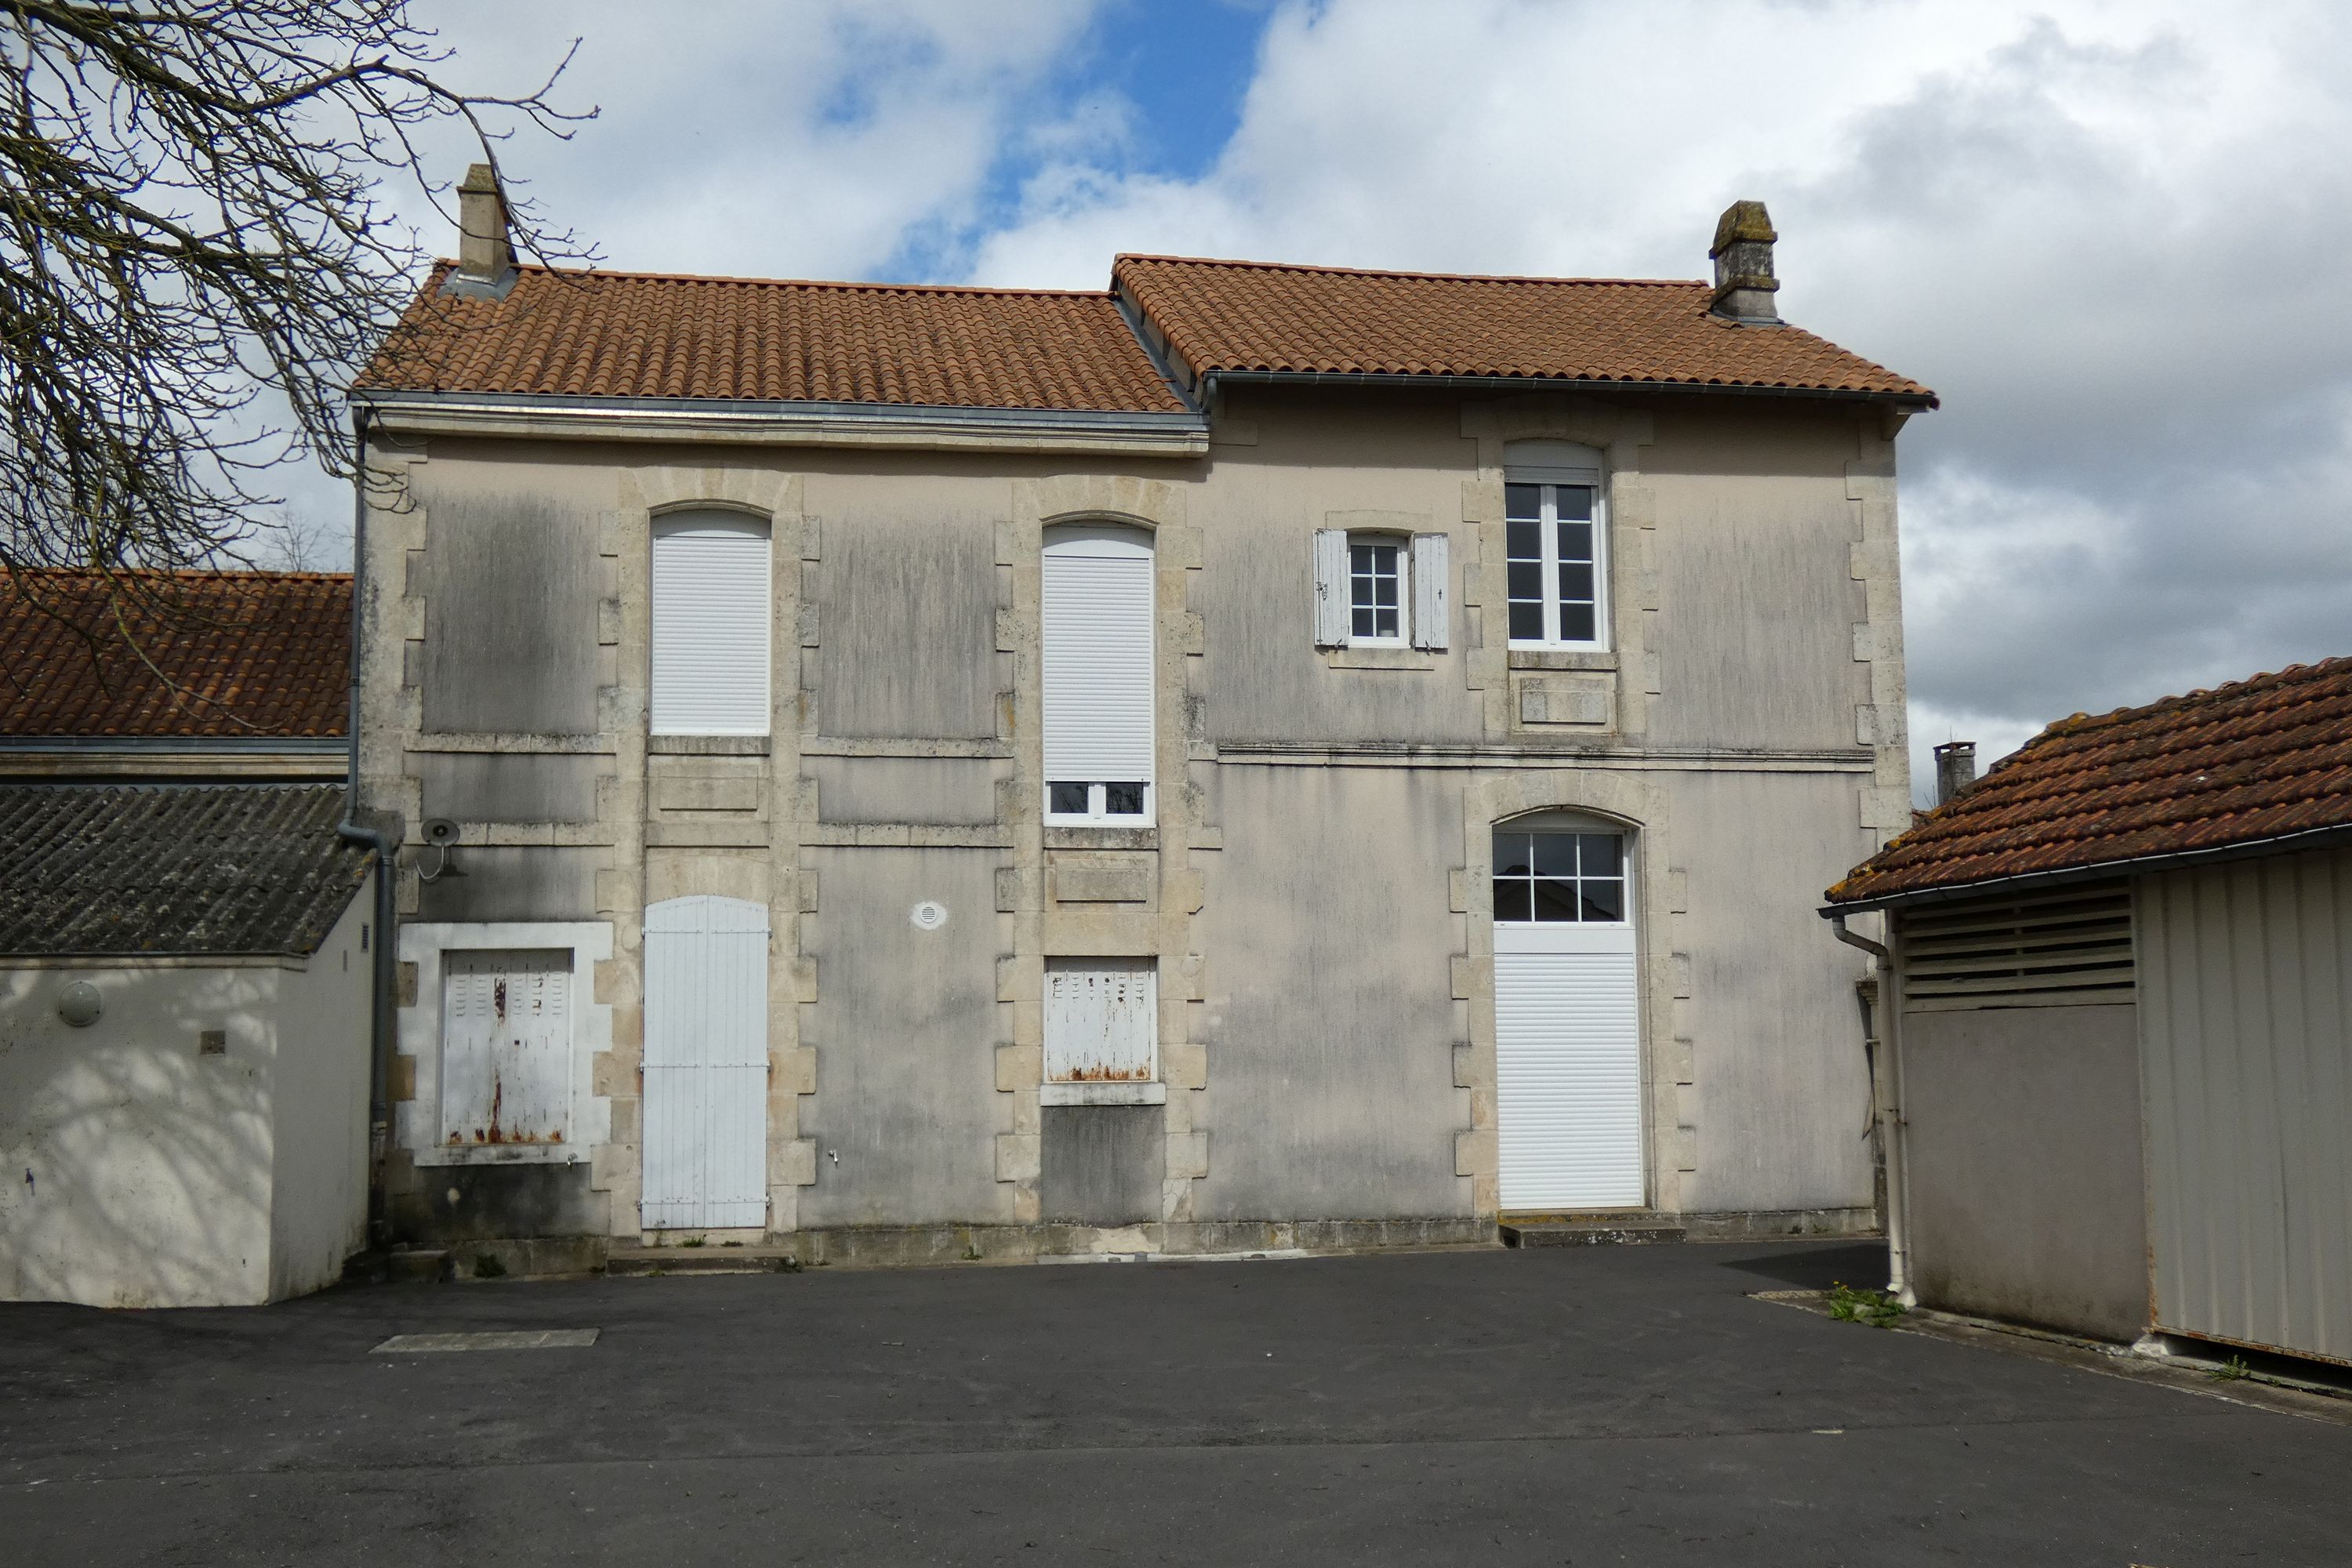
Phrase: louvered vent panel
(2062, 949)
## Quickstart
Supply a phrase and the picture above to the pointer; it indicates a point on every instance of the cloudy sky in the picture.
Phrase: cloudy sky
(2117, 238)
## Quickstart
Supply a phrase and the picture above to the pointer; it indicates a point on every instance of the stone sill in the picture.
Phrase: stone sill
(1067, 837)
(1562, 658)
(499, 1154)
(1102, 1094)
(1381, 658)
(707, 745)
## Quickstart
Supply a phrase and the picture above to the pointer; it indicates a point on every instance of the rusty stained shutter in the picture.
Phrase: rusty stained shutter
(1102, 1016)
(506, 1046)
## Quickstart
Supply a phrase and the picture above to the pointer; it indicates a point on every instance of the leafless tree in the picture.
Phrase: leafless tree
(192, 211)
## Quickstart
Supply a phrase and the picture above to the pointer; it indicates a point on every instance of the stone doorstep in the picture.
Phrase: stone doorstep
(1630, 1229)
(711, 1260)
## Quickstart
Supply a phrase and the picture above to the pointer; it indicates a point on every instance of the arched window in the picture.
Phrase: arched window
(710, 625)
(1097, 668)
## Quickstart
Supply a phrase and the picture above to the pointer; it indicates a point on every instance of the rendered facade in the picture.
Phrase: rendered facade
(936, 773)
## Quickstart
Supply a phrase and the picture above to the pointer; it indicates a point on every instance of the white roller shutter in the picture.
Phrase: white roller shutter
(706, 1064)
(1568, 1068)
(1098, 656)
(711, 630)
(1331, 587)
(1433, 594)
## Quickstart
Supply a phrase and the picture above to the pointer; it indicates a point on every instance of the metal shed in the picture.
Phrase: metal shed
(2114, 1057)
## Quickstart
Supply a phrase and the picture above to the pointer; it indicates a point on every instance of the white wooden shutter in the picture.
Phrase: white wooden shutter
(1101, 1019)
(1432, 593)
(1331, 587)
(506, 1046)
(710, 631)
(1568, 1071)
(1098, 656)
(706, 1064)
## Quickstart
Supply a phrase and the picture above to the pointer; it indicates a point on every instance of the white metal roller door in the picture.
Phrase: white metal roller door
(706, 1064)
(710, 631)
(1568, 1061)
(1098, 656)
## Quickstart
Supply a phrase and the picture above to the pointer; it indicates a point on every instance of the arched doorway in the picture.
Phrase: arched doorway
(1567, 1035)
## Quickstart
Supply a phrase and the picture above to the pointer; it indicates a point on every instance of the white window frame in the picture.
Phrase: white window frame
(1565, 825)
(1400, 545)
(1549, 466)
(1122, 539)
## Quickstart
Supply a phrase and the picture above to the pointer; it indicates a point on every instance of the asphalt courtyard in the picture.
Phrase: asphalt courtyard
(1632, 1404)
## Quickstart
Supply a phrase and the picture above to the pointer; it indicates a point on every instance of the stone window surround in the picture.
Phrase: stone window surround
(1638, 805)
(421, 945)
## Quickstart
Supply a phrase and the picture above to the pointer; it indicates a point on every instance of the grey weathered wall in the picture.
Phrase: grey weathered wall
(2022, 1139)
(2246, 1009)
(905, 1029)
(1330, 1023)
(907, 608)
(512, 578)
(1780, 1085)
(1334, 933)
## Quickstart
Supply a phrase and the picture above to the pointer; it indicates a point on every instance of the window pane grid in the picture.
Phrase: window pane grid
(1552, 563)
(1375, 591)
(1559, 879)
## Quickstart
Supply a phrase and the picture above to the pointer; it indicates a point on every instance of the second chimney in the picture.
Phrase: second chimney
(1742, 254)
(1955, 768)
(485, 254)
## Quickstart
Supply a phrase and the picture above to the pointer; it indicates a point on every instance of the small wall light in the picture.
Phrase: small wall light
(79, 1005)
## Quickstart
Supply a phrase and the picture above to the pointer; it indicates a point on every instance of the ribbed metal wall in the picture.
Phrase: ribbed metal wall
(2246, 1030)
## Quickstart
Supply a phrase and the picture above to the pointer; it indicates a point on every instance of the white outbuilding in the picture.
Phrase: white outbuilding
(184, 1043)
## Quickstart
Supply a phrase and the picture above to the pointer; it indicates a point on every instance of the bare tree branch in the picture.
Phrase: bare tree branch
(191, 212)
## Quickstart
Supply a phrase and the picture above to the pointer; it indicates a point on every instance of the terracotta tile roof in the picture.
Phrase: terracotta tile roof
(173, 868)
(240, 653)
(1258, 316)
(621, 334)
(2250, 760)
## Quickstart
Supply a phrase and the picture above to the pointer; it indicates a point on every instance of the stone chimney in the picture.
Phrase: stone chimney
(1955, 768)
(1742, 254)
(485, 254)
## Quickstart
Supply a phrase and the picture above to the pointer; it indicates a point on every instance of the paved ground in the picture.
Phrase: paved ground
(1573, 1406)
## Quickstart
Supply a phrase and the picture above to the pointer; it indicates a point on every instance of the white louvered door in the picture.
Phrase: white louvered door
(1568, 1061)
(1098, 663)
(706, 1064)
(710, 625)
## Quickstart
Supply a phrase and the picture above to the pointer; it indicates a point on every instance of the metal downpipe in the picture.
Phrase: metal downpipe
(385, 847)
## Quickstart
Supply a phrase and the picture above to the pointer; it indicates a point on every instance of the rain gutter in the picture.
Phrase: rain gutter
(774, 422)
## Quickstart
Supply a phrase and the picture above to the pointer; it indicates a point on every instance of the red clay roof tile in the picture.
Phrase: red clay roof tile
(2250, 760)
(1262, 316)
(621, 334)
(232, 653)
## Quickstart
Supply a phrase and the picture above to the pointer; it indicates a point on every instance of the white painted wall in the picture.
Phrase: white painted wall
(161, 1178)
(318, 1215)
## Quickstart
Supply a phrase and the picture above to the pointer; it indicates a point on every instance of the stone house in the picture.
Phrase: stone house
(1257, 755)
(2117, 1062)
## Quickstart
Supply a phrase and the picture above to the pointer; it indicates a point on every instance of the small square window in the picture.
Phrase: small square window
(1122, 800)
(1066, 799)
